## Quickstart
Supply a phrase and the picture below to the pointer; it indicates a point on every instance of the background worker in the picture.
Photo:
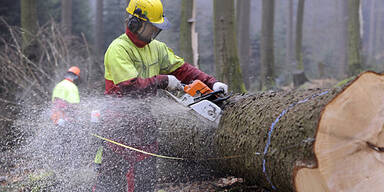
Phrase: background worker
(137, 64)
(65, 95)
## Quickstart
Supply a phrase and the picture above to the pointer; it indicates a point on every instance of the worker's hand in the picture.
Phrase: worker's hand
(174, 83)
(220, 86)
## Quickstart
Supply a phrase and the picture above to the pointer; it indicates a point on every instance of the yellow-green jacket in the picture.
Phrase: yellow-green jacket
(67, 91)
(125, 61)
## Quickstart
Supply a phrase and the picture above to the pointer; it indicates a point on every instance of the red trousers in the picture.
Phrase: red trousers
(123, 169)
(126, 170)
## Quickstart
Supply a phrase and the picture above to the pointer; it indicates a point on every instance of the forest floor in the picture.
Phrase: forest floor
(16, 175)
(25, 182)
(232, 184)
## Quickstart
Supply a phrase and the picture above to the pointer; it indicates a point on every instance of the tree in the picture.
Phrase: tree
(66, 16)
(354, 39)
(29, 24)
(226, 59)
(342, 18)
(372, 30)
(267, 48)
(188, 35)
(99, 26)
(82, 24)
(243, 16)
(299, 35)
(289, 37)
(379, 30)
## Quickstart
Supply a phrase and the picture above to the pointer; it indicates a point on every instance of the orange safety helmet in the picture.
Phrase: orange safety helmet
(74, 70)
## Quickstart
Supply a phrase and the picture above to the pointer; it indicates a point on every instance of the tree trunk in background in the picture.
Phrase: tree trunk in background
(195, 37)
(187, 31)
(289, 38)
(299, 35)
(226, 59)
(379, 35)
(354, 39)
(301, 140)
(99, 26)
(243, 17)
(267, 45)
(342, 9)
(372, 30)
(29, 24)
(66, 16)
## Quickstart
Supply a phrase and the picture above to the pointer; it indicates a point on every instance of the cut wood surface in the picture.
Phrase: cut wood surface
(350, 136)
(300, 140)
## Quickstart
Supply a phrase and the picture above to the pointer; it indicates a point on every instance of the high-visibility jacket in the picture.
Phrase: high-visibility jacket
(67, 91)
(124, 60)
(132, 66)
(64, 93)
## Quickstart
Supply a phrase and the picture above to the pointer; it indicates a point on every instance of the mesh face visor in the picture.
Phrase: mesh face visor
(75, 79)
(148, 32)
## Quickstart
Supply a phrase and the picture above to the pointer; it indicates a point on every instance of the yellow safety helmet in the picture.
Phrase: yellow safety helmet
(149, 10)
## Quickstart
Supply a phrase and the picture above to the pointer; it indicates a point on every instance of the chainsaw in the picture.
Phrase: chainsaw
(200, 98)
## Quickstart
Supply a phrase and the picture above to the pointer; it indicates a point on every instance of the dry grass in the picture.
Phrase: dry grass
(26, 78)
(29, 80)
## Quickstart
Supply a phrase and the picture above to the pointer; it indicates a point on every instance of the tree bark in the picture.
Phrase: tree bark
(299, 34)
(66, 16)
(187, 30)
(301, 140)
(243, 17)
(372, 30)
(342, 9)
(267, 45)
(227, 62)
(29, 24)
(299, 78)
(354, 39)
(378, 32)
(99, 26)
(289, 38)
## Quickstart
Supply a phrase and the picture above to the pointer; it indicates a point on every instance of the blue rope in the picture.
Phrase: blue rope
(271, 129)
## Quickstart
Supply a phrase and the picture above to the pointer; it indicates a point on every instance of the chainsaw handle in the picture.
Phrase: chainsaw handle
(213, 96)
(210, 94)
(220, 99)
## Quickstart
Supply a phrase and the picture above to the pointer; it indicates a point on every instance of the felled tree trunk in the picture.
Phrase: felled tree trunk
(313, 140)
(308, 141)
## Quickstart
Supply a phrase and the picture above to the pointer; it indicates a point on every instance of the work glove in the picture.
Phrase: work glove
(174, 83)
(61, 122)
(220, 86)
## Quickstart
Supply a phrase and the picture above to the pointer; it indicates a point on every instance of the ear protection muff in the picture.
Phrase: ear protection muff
(135, 23)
